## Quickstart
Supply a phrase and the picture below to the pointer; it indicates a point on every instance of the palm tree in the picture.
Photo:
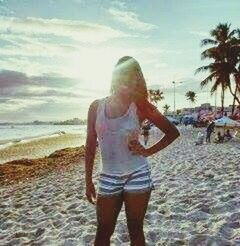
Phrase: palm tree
(155, 96)
(191, 96)
(178, 111)
(166, 108)
(225, 43)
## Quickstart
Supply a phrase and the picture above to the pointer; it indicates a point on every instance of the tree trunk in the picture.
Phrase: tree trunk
(222, 100)
(234, 99)
(234, 94)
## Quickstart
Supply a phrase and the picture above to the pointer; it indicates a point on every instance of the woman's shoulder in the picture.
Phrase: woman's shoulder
(94, 105)
(96, 102)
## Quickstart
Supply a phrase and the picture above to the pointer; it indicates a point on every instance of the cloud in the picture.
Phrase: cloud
(131, 20)
(12, 79)
(22, 45)
(29, 66)
(24, 110)
(53, 80)
(78, 63)
(35, 55)
(82, 31)
(9, 79)
(47, 96)
(15, 104)
(18, 85)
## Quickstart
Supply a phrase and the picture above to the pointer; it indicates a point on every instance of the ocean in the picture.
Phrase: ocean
(10, 134)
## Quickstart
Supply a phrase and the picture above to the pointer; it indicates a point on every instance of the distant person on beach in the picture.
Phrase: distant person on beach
(210, 129)
(219, 138)
(228, 136)
(145, 131)
(125, 175)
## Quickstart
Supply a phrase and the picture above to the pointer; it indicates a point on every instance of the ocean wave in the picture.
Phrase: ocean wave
(8, 142)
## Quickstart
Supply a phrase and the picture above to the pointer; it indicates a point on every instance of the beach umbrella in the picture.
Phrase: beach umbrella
(226, 122)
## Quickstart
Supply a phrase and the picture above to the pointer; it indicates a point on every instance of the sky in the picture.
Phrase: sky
(57, 56)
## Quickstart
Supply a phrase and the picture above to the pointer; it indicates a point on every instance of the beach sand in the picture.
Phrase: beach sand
(196, 200)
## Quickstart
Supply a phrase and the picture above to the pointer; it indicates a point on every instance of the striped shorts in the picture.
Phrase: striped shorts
(137, 181)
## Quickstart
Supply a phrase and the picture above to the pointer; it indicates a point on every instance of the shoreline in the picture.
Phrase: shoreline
(9, 142)
(40, 147)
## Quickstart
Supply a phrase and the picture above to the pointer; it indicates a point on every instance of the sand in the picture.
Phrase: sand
(196, 201)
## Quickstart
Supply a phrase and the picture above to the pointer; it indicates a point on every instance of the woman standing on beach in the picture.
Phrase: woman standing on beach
(125, 174)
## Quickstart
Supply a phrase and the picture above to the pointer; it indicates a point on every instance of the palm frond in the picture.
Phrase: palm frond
(208, 41)
(212, 52)
(238, 32)
(220, 33)
(202, 69)
(232, 33)
(207, 80)
(213, 89)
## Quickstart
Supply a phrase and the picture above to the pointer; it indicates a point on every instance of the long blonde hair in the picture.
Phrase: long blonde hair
(128, 64)
(139, 95)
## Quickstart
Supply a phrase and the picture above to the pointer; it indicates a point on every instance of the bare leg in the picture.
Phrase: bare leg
(107, 209)
(136, 206)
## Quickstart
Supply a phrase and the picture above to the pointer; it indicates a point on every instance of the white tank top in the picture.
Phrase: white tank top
(112, 135)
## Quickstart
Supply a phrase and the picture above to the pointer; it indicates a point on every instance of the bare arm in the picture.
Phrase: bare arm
(169, 129)
(91, 142)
